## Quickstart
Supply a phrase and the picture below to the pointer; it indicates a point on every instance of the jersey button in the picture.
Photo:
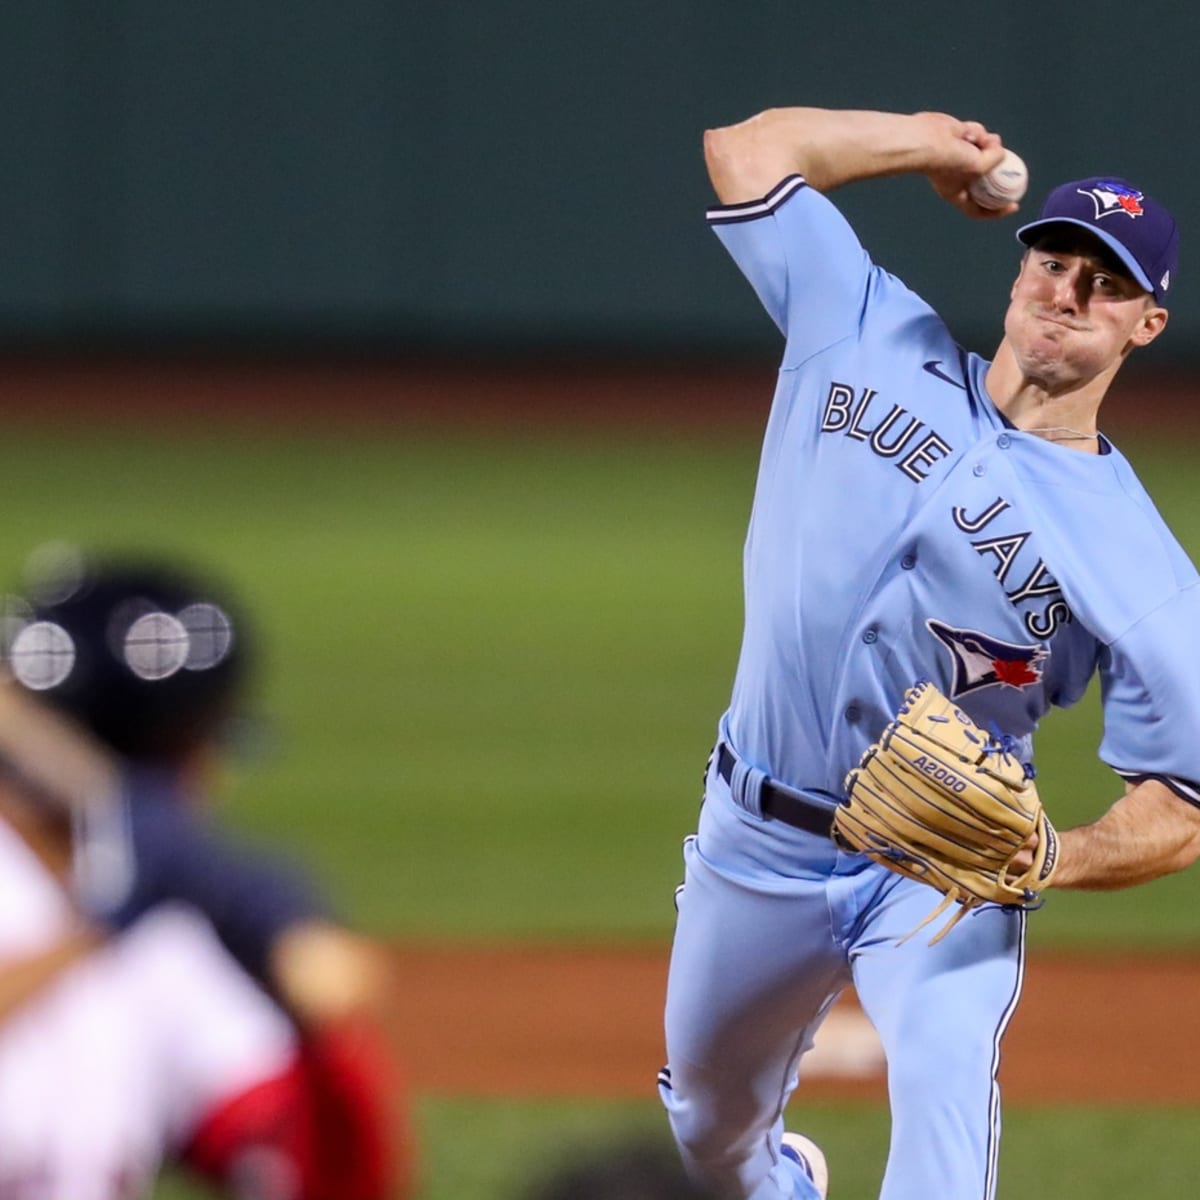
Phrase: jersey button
(908, 561)
(870, 636)
(979, 469)
(1004, 441)
(853, 712)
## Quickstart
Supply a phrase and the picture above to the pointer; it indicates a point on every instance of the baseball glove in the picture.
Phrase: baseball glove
(943, 802)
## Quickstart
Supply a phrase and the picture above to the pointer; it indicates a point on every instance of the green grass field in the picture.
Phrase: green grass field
(1047, 1154)
(485, 1150)
(493, 668)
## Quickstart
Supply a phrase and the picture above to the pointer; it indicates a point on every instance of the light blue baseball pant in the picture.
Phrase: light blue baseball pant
(772, 925)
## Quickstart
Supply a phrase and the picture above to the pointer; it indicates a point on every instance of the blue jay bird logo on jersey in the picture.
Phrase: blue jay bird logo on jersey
(981, 661)
(1111, 198)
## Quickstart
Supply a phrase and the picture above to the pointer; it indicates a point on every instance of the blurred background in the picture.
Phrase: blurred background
(405, 318)
(517, 177)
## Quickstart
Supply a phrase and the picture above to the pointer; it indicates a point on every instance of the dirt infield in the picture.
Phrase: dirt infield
(530, 1021)
(629, 397)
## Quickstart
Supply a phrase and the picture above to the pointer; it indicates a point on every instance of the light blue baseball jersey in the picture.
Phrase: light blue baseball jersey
(902, 529)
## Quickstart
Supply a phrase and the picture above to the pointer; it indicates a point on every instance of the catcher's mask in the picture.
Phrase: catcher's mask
(147, 655)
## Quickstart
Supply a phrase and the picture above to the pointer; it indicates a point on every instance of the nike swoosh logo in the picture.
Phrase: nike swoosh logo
(934, 367)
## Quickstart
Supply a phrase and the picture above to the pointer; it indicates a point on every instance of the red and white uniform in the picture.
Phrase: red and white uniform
(128, 1055)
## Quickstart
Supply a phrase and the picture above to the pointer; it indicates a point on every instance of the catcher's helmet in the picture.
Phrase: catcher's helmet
(146, 655)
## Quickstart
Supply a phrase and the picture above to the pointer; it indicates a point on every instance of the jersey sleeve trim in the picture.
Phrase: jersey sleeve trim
(751, 210)
(1181, 787)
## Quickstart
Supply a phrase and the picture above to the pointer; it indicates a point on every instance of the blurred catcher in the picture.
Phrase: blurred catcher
(166, 995)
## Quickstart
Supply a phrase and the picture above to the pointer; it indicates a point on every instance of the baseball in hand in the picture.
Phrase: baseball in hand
(1004, 184)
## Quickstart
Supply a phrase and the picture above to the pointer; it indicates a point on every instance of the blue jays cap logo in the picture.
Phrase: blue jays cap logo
(981, 661)
(1111, 198)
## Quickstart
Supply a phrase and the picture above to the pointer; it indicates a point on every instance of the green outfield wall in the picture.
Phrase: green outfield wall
(523, 174)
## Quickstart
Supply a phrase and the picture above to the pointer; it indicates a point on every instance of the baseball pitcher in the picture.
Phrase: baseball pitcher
(942, 548)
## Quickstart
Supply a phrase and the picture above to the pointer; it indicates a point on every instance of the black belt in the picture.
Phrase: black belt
(782, 805)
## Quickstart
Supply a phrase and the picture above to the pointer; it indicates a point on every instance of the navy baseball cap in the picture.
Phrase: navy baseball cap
(1136, 228)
